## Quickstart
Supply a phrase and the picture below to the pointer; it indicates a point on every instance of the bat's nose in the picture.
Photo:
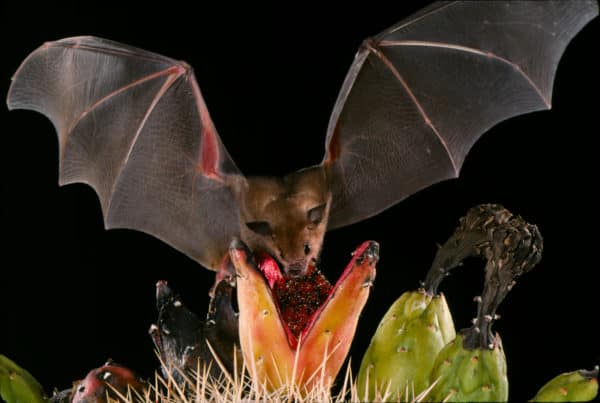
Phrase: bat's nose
(296, 269)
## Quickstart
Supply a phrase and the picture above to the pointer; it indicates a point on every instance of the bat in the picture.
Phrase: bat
(134, 125)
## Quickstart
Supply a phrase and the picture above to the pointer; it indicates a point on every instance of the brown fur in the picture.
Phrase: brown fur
(285, 203)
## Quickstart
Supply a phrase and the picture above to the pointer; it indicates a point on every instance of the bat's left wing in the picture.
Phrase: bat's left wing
(133, 125)
(420, 94)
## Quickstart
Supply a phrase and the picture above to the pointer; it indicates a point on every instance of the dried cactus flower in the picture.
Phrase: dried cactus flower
(473, 366)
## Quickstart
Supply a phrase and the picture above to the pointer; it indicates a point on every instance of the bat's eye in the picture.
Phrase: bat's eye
(315, 214)
(260, 227)
(306, 248)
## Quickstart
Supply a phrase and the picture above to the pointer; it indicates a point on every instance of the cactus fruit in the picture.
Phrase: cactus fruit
(17, 385)
(575, 386)
(106, 383)
(402, 351)
(473, 366)
(274, 355)
(181, 337)
(419, 324)
(465, 374)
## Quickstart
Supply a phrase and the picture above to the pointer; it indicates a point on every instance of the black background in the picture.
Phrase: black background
(73, 294)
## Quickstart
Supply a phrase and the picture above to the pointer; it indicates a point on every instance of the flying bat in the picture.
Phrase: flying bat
(134, 125)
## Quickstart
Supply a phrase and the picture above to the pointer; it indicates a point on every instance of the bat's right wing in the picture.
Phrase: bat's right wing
(420, 94)
(133, 125)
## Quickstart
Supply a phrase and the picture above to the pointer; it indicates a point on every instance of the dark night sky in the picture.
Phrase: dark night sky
(73, 294)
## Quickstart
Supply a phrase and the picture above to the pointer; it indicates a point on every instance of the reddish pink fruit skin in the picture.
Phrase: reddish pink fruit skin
(270, 348)
(94, 387)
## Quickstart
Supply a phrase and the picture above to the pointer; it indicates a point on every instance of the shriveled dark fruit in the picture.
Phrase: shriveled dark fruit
(221, 326)
(182, 338)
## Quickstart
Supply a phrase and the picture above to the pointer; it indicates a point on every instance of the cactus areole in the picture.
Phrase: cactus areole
(296, 331)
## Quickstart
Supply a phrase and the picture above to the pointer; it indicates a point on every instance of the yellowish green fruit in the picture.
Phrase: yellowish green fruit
(17, 385)
(576, 386)
(469, 375)
(404, 347)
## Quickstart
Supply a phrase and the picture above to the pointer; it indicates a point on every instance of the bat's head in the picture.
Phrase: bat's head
(286, 217)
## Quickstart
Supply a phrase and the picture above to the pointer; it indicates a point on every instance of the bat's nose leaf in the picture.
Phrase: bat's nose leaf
(296, 270)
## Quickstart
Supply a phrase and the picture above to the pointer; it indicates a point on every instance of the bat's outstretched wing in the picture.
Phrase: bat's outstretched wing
(419, 95)
(133, 125)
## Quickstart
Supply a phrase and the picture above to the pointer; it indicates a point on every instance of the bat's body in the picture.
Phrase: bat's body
(134, 125)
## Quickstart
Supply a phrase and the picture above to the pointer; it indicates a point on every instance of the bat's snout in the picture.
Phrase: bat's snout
(296, 269)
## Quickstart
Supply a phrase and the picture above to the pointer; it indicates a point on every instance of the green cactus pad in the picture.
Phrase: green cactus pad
(464, 374)
(576, 386)
(404, 347)
(17, 385)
